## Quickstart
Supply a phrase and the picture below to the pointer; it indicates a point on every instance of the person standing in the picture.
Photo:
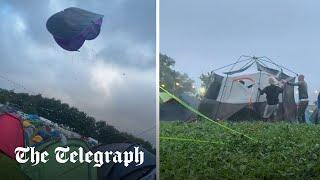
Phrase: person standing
(317, 116)
(303, 97)
(272, 91)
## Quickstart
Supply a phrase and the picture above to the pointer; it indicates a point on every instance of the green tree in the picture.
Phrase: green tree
(206, 79)
(173, 80)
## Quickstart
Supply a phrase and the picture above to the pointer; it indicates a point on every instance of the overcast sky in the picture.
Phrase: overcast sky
(205, 34)
(112, 78)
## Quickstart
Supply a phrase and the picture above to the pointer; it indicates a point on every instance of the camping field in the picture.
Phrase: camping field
(283, 151)
(10, 169)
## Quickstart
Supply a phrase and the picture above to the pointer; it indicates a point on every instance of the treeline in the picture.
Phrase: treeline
(173, 80)
(62, 113)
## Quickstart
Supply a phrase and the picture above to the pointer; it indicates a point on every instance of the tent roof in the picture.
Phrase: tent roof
(11, 134)
(262, 65)
(119, 171)
(67, 170)
(164, 97)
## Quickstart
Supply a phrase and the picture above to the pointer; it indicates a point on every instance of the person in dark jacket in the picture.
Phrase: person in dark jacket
(317, 110)
(272, 91)
(303, 97)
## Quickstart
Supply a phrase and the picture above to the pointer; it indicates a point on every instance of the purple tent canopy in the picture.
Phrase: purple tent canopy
(72, 26)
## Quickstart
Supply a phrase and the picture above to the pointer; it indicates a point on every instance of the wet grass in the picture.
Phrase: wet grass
(283, 151)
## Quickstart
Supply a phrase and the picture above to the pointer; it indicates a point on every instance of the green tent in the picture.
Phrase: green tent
(54, 170)
(164, 97)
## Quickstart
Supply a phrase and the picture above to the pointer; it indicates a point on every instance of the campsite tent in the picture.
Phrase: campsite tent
(171, 110)
(164, 97)
(119, 171)
(11, 134)
(54, 170)
(235, 96)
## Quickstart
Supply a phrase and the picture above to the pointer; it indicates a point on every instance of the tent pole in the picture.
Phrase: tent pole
(251, 61)
(258, 93)
(222, 93)
(238, 61)
(266, 59)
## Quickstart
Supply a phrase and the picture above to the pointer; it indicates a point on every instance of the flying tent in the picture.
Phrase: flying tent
(119, 171)
(58, 171)
(72, 26)
(171, 110)
(235, 94)
(11, 134)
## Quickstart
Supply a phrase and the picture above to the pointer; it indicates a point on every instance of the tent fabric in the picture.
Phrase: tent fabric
(164, 97)
(11, 134)
(53, 170)
(174, 111)
(276, 73)
(214, 88)
(72, 26)
(217, 110)
(239, 70)
(119, 171)
(232, 94)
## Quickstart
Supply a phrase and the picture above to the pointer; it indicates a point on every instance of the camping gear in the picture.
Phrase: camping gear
(119, 171)
(28, 132)
(26, 123)
(92, 142)
(63, 139)
(53, 170)
(37, 139)
(33, 117)
(171, 110)
(236, 97)
(55, 133)
(43, 134)
(72, 26)
(11, 134)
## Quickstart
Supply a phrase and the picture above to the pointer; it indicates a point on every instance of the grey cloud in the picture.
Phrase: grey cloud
(128, 54)
(204, 35)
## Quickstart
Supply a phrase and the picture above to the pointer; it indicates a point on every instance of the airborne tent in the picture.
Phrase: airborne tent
(71, 27)
(235, 95)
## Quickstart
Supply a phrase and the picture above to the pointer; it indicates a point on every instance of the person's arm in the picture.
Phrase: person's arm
(318, 101)
(262, 91)
(293, 83)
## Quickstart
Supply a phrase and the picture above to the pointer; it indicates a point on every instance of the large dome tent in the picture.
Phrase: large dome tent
(234, 95)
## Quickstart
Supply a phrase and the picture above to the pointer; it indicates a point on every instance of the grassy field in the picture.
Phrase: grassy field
(284, 151)
(9, 169)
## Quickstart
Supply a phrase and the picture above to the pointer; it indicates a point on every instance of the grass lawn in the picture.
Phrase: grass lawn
(284, 151)
(9, 169)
